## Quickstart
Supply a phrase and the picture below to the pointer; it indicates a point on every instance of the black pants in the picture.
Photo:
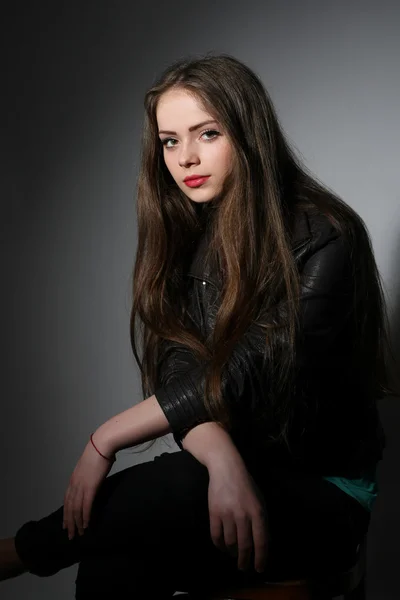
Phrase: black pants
(149, 534)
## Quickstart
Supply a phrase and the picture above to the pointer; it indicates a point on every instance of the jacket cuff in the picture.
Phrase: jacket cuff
(182, 401)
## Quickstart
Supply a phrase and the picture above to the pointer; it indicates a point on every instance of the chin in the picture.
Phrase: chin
(200, 198)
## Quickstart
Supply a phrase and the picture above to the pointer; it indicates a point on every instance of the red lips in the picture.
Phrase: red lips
(189, 177)
(195, 181)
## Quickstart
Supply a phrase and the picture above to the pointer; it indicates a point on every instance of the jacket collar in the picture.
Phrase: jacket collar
(302, 230)
(301, 236)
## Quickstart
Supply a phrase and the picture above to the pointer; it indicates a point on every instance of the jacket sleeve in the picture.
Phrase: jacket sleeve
(324, 305)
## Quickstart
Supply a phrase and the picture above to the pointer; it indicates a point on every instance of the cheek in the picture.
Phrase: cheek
(169, 163)
(226, 159)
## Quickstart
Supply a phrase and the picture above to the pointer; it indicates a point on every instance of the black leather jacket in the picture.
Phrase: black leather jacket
(336, 430)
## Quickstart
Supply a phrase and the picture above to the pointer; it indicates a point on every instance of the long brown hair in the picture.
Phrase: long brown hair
(250, 225)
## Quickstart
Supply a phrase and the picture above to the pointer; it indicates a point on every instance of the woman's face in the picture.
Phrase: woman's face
(193, 144)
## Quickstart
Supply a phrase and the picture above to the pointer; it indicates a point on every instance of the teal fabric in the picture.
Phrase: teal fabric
(364, 489)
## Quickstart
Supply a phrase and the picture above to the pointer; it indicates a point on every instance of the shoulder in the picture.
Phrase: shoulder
(313, 230)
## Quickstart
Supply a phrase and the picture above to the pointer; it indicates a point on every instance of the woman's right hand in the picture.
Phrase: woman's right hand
(238, 516)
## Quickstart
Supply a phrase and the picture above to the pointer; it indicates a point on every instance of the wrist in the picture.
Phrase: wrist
(212, 446)
(224, 461)
(110, 458)
(102, 443)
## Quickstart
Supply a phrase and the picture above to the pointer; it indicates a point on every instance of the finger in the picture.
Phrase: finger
(70, 515)
(260, 540)
(217, 532)
(245, 542)
(77, 511)
(65, 511)
(87, 508)
(230, 536)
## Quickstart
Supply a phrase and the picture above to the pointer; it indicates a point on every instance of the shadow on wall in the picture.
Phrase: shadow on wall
(385, 524)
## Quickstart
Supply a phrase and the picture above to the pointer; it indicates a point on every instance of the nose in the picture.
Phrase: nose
(188, 156)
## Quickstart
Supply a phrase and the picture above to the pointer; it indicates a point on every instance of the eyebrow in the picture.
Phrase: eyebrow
(193, 128)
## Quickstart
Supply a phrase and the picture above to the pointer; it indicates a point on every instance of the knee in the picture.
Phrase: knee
(44, 550)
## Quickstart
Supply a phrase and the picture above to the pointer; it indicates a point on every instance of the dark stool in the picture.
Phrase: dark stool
(350, 584)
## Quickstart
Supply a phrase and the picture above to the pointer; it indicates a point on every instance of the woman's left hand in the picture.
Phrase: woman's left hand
(238, 513)
(86, 478)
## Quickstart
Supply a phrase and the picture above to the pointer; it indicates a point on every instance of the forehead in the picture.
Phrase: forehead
(179, 109)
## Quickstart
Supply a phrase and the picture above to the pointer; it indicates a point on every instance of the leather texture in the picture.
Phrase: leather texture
(336, 426)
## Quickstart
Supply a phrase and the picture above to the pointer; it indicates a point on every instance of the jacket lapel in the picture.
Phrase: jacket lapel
(301, 236)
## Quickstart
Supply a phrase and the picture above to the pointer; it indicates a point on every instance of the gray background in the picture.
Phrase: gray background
(74, 79)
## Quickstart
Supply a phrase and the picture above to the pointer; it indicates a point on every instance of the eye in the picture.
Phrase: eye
(209, 132)
(166, 140)
(214, 132)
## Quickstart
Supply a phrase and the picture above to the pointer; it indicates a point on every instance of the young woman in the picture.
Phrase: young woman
(263, 340)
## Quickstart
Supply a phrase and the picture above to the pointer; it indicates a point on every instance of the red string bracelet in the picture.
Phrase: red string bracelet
(94, 445)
